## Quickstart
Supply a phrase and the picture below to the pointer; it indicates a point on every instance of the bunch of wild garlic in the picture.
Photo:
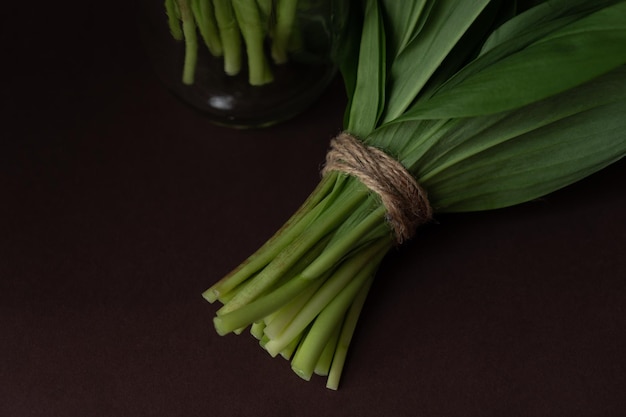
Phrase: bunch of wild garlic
(483, 105)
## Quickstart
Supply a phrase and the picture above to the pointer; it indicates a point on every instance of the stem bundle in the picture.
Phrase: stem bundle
(303, 289)
(484, 106)
(234, 29)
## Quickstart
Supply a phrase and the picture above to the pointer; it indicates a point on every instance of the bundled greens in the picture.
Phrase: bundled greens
(234, 29)
(485, 105)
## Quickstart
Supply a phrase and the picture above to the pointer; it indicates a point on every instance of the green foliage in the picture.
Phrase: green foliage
(486, 106)
(550, 78)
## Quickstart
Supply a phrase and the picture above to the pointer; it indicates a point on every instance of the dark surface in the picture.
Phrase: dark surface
(119, 206)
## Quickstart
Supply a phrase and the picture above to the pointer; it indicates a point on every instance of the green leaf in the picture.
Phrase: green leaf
(403, 21)
(548, 13)
(347, 55)
(570, 56)
(410, 71)
(468, 47)
(496, 161)
(369, 93)
(539, 166)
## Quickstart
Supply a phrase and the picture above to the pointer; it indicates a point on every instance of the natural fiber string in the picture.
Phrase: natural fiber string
(404, 199)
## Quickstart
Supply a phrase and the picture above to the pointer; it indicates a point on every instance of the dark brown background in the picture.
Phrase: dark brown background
(119, 206)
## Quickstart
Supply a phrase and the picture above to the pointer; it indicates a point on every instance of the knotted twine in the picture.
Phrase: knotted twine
(405, 201)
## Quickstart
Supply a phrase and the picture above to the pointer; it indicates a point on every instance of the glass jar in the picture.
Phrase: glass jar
(256, 80)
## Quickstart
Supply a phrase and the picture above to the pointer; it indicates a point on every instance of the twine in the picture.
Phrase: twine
(404, 199)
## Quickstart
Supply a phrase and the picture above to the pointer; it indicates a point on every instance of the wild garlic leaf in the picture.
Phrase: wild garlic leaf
(404, 21)
(469, 45)
(494, 161)
(347, 54)
(567, 57)
(549, 12)
(409, 72)
(469, 136)
(368, 98)
(536, 164)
